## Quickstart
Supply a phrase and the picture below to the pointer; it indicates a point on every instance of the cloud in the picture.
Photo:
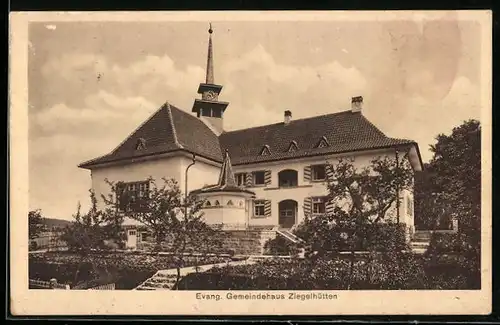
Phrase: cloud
(425, 116)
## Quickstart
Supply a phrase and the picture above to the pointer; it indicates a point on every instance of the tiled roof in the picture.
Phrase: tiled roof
(344, 132)
(171, 129)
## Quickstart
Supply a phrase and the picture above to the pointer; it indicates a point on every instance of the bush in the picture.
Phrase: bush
(322, 236)
(281, 246)
(453, 261)
(375, 272)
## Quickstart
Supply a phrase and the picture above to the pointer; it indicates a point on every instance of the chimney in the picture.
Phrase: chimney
(356, 104)
(288, 117)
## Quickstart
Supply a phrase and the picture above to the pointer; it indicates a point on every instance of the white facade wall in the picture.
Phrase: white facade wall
(305, 189)
(168, 167)
(207, 173)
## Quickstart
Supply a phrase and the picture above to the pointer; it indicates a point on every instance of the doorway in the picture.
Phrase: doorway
(287, 213)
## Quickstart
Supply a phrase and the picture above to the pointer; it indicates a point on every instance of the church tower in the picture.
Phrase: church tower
(209, 108)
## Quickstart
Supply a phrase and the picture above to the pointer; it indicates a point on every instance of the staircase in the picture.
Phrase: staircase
(420, 241)
(289, 235)
(159, 281)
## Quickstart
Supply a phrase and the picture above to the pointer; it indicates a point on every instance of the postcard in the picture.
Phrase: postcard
(250, 163)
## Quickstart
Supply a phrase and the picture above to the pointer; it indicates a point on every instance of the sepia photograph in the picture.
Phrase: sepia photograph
(251, 159)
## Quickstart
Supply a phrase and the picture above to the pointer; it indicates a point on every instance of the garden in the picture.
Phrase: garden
(126, 270)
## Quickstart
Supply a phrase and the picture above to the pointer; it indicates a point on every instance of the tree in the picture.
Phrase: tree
(162, 210)
(88, 233)
(456, 166)
(363, 199)
(453, 190)
(35, 223)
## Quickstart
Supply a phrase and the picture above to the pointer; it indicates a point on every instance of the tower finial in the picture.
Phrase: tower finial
(210, 60)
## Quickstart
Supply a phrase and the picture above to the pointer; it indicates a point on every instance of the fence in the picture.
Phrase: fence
(52, 284)
(109, 286)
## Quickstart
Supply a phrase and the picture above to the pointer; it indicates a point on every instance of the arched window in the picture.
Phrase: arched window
(229, 202)
(208, 204)
(217, 203)
(288, 178)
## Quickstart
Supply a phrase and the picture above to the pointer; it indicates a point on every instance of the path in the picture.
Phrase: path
(165, 279)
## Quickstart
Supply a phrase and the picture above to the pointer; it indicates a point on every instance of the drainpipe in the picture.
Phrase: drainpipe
(186, 185)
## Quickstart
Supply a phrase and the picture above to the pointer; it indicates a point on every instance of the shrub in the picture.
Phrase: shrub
(281, 246)
(453, 261)
(376, 272)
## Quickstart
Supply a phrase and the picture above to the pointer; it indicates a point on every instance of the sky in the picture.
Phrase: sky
(91, 84)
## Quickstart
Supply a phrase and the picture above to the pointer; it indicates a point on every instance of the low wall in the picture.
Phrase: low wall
(247, 242)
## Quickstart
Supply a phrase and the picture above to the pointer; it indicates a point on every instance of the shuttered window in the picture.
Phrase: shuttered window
(307, 174)
(307, 206)
(267, 177)
(259, 178)
(267, 208)
(318, 205)
(318, 172)
(259, 208)
(249, 179)
(240, 179)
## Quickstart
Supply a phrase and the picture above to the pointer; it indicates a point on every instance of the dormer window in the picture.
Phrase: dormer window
(293, 146)
(141, 144)
(265, 150)
(323, 143)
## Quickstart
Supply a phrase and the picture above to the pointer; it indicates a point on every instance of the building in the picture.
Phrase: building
(281, 167)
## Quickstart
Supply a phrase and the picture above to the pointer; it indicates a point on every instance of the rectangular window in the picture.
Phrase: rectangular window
(318, 205)
(240, 179)
(259, 178)
(409, 206)
(259, 210)
(318, 172)
(131, 196)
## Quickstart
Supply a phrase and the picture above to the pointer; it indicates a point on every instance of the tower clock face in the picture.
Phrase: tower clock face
(210, 95)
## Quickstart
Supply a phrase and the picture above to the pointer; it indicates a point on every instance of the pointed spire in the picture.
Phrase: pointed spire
(226, 177)
(210, 58)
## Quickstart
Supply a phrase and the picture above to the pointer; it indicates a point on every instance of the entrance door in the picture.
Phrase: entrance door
(287, 213)
(132, 238)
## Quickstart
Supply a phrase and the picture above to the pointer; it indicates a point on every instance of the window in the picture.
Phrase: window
(217, 203)
(318, 205)
(145, 236)
(409, 206)
(216, 113)
(259, 178)
(240, 179)
(293, 146)
(323, 143)
(288, 178)
(131, 196)
(230, 203)
(132, 233)
(265, 150)
(208, 204)
(259, 208)
(318, 172)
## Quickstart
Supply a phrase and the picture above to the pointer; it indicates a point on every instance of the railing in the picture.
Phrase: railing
(39, 284)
